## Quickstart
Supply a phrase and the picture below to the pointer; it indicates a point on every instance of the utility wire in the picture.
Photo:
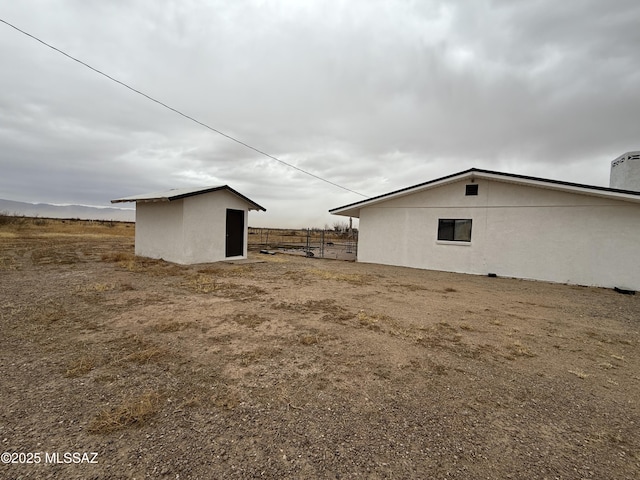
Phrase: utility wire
(188, 117)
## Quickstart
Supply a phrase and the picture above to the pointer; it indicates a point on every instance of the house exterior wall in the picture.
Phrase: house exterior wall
(159, 230)
(189, 230)
(517, 231)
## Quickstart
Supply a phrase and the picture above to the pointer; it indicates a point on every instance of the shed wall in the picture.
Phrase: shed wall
(189, 230)
(159, 230)
(205, 226)
(518, 231)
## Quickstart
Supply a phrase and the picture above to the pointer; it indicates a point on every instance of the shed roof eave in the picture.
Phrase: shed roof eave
(180, 193)
(140, 200)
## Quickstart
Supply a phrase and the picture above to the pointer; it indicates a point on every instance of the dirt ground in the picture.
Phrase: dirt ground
(293, 367)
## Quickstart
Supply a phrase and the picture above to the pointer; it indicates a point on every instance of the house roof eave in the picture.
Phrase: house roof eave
(617, 194)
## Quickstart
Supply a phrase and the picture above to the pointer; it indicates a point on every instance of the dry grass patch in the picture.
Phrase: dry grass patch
(133, 263)
(204, 283)
(79, 367)
(144, 355)
(216, 271)
(96, 287)
(48, 312)
(411, 287)
(308, 339)
(275, 259)
(354, 278)
(135, 348)
(117, 257)
(133, 411)
(250, 320)
(260, 353)
(172, 326)
(369, 321)
(8, 263)
(51, 227)
(54, 256)
(229, 271)
(517, 349)
(138, 265)
(313, 306)
(579, 373)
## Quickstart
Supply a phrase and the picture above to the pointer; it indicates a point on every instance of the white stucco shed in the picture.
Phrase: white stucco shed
(486, 222)
(192, 225)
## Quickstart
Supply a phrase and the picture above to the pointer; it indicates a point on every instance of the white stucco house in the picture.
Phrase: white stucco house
(486, 222)
(192, 225)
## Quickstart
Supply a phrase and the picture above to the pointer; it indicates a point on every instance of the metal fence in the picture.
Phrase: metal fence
(310, 242)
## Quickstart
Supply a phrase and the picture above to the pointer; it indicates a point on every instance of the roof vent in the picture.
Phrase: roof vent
(625, 172)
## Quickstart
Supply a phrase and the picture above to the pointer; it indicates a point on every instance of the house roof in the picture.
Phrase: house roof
(353, 209)
(178, 193)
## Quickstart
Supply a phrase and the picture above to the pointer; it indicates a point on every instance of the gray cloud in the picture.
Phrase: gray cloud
(372, 95)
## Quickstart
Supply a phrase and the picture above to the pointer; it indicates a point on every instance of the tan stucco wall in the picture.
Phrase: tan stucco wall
(518, 231)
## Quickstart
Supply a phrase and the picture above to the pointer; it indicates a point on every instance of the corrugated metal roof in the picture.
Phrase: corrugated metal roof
(178, 193)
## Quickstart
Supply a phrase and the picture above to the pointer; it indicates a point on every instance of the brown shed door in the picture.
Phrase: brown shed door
(235, 233)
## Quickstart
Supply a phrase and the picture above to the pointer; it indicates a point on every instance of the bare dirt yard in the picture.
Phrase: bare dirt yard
(293, 367)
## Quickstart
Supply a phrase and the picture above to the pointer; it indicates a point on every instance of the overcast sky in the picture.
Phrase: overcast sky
(371, 95)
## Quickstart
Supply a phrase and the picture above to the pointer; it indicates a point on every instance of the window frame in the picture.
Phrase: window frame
(457, 236)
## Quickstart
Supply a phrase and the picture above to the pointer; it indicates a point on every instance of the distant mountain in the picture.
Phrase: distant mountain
(66, 211)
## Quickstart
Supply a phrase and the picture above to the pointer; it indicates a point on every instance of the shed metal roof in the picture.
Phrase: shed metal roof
(178, 193)
(353, 209)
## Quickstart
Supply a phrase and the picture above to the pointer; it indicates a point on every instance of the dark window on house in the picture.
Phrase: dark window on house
(454, 230)
(472, 189)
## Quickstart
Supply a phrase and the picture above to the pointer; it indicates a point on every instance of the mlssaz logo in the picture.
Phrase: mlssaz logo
(71, 457)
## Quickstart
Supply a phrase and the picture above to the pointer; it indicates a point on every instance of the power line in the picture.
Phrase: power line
(188, 117)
